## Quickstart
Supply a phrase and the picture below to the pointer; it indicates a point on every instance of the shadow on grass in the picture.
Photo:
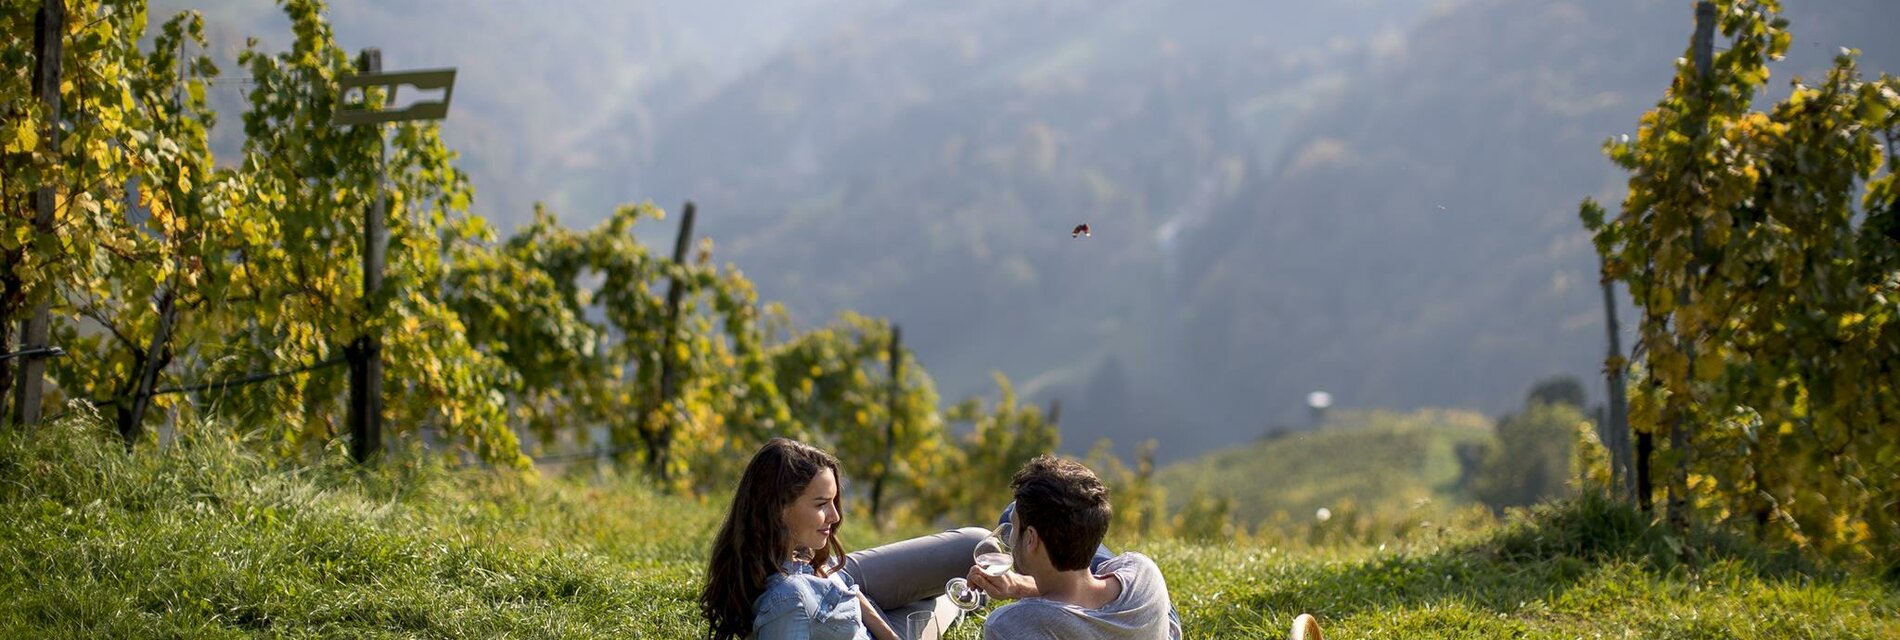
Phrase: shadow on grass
(1537, 558)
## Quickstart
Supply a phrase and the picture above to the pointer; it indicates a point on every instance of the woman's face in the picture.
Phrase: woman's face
(811, 518)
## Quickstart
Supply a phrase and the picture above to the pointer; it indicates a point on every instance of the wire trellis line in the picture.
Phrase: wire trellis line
(234, 382)
(571, 456)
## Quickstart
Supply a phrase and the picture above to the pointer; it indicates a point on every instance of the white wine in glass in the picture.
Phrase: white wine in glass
(992, 555)
(994, 564)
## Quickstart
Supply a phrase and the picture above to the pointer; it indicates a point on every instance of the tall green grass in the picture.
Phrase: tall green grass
(205, 539)
(1585, 568)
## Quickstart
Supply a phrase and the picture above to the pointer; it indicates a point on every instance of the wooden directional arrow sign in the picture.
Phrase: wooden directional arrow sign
(425, 80)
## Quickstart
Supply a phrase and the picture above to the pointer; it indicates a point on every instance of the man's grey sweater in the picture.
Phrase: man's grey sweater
(1140, 612)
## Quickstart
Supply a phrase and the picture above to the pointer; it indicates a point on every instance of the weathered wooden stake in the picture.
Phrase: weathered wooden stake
(660, 437)
(366, 353)
(49, 40)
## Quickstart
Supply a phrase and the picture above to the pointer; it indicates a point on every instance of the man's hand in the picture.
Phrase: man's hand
(1009, 586)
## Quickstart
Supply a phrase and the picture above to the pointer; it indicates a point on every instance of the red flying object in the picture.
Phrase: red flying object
(1081, 231)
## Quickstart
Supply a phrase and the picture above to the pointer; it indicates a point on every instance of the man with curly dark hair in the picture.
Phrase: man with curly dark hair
(1061, 515)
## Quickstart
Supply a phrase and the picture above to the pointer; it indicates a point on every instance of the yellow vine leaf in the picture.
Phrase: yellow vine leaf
(25, 137)
(1849, 321)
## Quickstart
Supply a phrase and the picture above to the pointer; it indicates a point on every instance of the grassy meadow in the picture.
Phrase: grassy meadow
(204, 539)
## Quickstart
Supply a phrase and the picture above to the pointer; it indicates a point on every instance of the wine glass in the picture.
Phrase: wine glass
(920, 625)
(992, 555)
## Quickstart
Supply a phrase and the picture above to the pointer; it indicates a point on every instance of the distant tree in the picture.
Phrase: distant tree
(1558, 390)
(1206, 518)
(1001, 438)
(1140, 503)
(1471, 460)
(1531, 460)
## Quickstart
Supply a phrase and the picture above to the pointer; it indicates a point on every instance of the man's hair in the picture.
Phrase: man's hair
(1067, 506)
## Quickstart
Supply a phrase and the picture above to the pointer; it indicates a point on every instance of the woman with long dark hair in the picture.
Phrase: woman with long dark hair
(778, 572)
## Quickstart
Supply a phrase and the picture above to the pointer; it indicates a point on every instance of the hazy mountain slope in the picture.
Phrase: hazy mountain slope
(927, 163)
(537, 82)
(1265, 179)
(1389, 218)
(1418, 245)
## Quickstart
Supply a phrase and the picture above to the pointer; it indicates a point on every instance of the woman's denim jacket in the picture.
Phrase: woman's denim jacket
(800, 605)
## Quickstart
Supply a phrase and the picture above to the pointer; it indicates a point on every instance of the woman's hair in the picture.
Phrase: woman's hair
(753, 540)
